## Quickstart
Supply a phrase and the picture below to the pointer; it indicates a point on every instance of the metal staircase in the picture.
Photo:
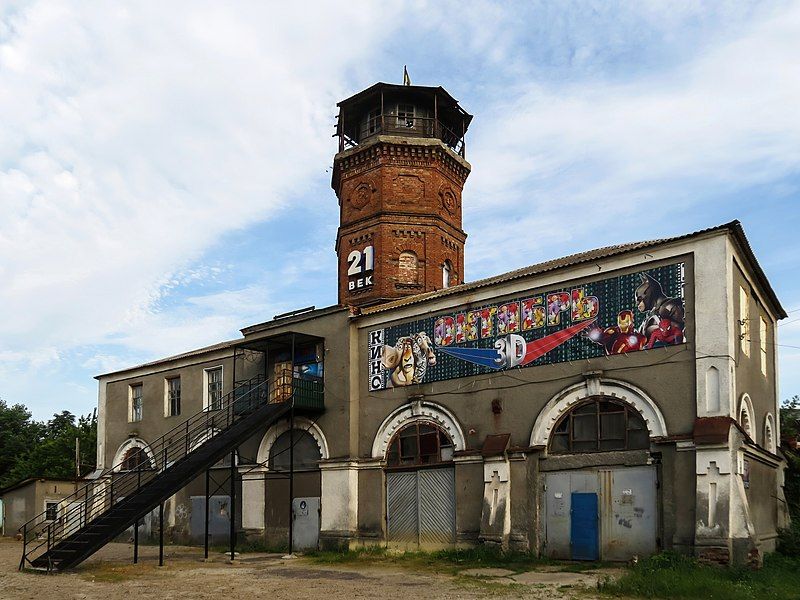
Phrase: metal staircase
(126, 492)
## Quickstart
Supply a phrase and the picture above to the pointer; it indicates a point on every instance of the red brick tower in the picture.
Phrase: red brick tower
(399, 174)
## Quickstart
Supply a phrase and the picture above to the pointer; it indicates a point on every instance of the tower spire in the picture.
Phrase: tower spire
(406, 78)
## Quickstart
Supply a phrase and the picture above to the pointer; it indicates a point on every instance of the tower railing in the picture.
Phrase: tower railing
(141, 465)
(412, 126)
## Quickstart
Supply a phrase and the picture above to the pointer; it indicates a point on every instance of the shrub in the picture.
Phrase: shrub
(789, 539)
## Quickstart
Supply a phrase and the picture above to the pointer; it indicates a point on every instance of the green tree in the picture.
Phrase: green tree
(51, 453)
(18, 434)
(790, 428)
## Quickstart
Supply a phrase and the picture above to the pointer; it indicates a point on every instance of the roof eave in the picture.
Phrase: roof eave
(744, 246)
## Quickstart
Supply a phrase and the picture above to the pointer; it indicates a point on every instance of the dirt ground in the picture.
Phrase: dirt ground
(109, 575)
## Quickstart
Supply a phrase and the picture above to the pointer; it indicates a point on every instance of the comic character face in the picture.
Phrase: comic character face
(647, 293)
(625, 321)
(407, 358)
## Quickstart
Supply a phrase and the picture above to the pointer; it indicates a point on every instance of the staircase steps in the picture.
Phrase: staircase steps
(84, 541)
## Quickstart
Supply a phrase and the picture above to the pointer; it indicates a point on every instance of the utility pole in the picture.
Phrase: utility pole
(77, 458)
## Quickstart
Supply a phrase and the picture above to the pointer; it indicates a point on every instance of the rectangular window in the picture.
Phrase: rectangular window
(405, 115)
(373, 121)
(214, 388)
(744, 321)
(173, 399)
(51, 511)
(135, 411)
(762, 337)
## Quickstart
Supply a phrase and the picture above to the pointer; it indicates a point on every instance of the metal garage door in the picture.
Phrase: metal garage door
(627, 512)
(421, 507)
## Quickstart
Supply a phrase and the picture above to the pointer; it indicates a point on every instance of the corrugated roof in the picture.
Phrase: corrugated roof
(230, 343)
(735, 228)
(188, 354)
(24, 482)
(305, 316)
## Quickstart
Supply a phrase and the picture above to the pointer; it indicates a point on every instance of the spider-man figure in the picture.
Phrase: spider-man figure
(667, 333)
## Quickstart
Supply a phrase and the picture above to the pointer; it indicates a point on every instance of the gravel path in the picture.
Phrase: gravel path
(109, 575)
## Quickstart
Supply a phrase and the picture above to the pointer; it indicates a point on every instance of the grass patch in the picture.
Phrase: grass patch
(364, 554)
(446, 561)
(109, 573)
(671, 575)
(488, 587)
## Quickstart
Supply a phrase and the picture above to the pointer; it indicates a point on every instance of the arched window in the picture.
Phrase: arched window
(407, 268)
(769, 434)
(306, 452)
(600, 425)
(135, 458)
(746, 417)
(447, 270)
(419, 443)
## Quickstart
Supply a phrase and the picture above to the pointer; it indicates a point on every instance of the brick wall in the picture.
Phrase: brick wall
(400, 197)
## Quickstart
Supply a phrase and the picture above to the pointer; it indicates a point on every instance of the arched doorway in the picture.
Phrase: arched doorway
(134, 464)
(266, 489)
(420, 486)
(603, 505)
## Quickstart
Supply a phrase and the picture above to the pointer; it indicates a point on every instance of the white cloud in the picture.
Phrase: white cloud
(133, 136)
(725, 118)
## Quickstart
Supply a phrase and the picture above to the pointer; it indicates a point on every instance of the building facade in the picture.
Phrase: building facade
(21, 502)
(607, 404)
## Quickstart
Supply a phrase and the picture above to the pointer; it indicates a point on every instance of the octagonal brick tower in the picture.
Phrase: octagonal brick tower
(399, 174)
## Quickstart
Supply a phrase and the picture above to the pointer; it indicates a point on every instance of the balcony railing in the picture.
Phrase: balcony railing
(308, 392)
(392, 124)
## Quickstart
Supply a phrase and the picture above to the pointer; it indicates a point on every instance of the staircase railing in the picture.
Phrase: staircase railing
(140, 466)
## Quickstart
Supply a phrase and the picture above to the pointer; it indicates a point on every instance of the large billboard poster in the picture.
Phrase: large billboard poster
(628, 313)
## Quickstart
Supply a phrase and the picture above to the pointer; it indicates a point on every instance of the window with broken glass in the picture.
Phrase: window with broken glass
(600, 426)
(51, 511)
(405, 115)
(174, 396)
(419, 444)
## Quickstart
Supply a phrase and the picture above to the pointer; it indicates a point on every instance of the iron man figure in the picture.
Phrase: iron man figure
(620, 338)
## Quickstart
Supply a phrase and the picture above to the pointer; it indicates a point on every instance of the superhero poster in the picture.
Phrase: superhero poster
(629, 313)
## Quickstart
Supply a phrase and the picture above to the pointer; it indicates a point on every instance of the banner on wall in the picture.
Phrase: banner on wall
(617, 315)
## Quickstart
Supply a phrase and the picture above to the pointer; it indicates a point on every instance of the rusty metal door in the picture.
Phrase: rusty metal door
(420, 507)
(629, 512)
(218, 519)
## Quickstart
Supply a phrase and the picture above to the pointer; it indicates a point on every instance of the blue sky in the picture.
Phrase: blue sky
(164, 170)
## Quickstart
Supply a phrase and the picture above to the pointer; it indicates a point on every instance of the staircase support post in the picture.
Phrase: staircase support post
(24, 546)
(232, 511)
(136, 541)
(291, 474)
(291, 453)
(161, 535)
(205, 536)
(49, 546)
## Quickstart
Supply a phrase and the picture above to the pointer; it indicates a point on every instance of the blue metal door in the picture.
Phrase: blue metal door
(583, 529)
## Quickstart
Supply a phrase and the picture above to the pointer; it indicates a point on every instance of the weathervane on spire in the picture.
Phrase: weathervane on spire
(406, 78)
